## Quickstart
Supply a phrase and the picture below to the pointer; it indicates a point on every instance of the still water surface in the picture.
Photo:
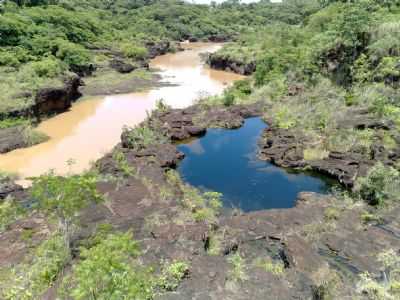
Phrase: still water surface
(92, 127)
(226, 161)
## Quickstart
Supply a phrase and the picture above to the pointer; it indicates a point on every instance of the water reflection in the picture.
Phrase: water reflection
(228, 163)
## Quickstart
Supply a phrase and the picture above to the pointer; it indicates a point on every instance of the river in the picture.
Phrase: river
(92, 127)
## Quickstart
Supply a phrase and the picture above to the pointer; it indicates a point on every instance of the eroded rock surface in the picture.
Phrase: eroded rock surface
(218, 62)
(285, 253)
(52, 100)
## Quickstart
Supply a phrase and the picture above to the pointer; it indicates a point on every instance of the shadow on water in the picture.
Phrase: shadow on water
(226, 161)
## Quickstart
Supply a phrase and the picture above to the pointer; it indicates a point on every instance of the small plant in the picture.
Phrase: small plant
(380, 185)
(109, 270)
(161, 106)
(30, 280)
(389, 287)
(135, 52)
(11, 122)
(284, 118)
(213, 200)
(65, 196)
(276, 268)
(367, 217)
(10, 211)
(33, 137)
(331, 214)
(173, 274)
(311, 154)
(139, 138)
(228, 99)
(122, 163)
(238, 271)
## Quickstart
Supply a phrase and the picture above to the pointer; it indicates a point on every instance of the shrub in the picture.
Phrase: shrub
(238, 271)
(380, 185)
(47, 67)
(33, 137)
(11, 122)
(140, 137)
(109, 270)
(10, 210)
(14, 56)
(315, 154)
(389, 287)
(173, 274)
(74, 55)
(228, 99)
(276, 268)
(133, 51)
(30, 280)
(65, 196)
(123, 164)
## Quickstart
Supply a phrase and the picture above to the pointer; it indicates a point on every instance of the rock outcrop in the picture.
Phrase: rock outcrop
(159, 48)
(218, 62)
(53, 100)
(12, 138)
(121, 66)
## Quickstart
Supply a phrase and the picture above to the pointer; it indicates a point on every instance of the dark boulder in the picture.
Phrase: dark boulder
(11, 139)
(54, 100)
(218, 62)
(83, 70)
(121, 66)
(156, 49)
(8, 187)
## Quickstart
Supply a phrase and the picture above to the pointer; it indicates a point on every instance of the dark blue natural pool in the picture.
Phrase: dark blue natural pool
(226, 161)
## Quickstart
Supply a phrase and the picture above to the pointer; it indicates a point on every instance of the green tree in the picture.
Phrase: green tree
(65, 197)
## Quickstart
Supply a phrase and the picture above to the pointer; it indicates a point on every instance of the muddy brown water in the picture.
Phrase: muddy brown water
(92, 127)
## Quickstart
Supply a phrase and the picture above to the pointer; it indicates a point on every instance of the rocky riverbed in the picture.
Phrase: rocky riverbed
(311, 251)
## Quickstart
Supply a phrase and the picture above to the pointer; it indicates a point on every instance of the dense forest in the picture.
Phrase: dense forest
(41, 41)
(327, 76)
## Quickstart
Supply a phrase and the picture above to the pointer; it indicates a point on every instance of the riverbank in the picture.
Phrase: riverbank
(95, 123)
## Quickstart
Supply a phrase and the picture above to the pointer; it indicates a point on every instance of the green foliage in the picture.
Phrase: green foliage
(172, 274)
(73, 55)
(203, 207)
(65, 195)
(270, 266)
(123, 164)
(110, 270)
(10, 211)
(12, 122)
(29, 280)
(33, 137)
(133, 51)
(48, 67)
(389, 287)
(140, 137)
(380, 185)
(238, 270)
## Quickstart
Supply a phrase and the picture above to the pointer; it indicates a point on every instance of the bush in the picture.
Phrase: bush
(47, 67)
(381, 184)
(30, 280)
(65, 197)
(74, 55)
(133, 51)
(109, 270)
(173, 274)
(389, 287)
(10, 210)
(33, 137)
(139, 138)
